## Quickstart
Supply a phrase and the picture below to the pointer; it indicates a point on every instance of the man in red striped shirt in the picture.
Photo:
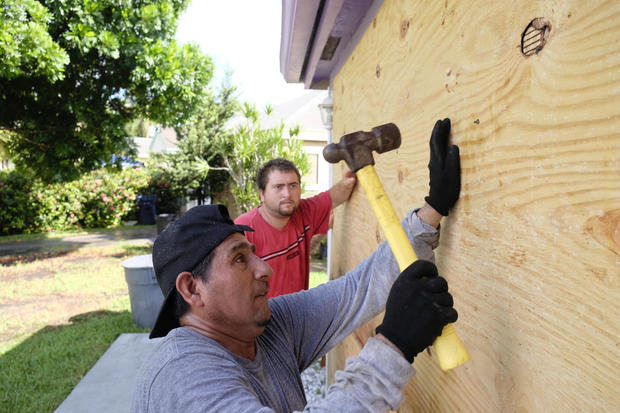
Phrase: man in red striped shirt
(284, 223)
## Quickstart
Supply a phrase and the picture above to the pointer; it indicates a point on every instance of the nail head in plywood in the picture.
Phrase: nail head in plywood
(404, 28)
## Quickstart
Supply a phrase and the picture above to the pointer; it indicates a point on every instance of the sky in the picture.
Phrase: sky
(242, 36)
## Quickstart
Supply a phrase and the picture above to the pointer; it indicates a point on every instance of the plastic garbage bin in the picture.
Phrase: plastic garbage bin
(323, 250)
(163, 220)
(146, 209)
(145, 296)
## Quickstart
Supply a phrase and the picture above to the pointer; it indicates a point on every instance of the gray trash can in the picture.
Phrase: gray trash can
(144, 293)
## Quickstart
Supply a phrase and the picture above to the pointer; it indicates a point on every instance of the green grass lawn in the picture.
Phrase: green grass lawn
(60, 314)
(316, 278)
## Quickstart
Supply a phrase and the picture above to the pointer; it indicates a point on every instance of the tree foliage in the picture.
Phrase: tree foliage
(219, 151)
(73, 73)
(249, 147)
(26, 46)
(189, 171)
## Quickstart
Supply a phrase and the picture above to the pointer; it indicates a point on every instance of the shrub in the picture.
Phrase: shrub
(107, 198)
(169, 195)
(102, 198)
(58, 204)
(18, 208)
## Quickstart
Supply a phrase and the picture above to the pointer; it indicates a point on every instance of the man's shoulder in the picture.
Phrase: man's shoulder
(321, 201)
(248, 217)
(182, 345)
(182, 359)
(322, 198)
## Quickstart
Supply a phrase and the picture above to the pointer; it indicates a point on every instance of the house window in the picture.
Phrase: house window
(312, 177)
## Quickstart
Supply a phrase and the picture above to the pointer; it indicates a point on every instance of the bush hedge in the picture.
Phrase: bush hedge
(18, 208)
(102, 198)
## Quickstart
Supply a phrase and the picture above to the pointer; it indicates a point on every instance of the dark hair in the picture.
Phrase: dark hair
(279, 164)
(200, 271)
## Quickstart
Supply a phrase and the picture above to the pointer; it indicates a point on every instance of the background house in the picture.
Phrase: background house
(159, 140)
(531, 250)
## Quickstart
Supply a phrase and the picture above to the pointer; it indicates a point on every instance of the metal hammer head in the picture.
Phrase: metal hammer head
(356, 148)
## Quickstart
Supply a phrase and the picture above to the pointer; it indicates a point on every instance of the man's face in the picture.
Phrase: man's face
(236, 290)
(282, 193)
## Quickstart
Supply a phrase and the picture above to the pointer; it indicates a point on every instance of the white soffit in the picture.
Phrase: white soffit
(318, 36)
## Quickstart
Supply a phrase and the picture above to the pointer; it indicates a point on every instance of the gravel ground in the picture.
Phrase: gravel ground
(313, 379)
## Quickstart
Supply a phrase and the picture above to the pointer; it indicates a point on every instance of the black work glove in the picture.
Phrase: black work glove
(445, 170)
(417, 309)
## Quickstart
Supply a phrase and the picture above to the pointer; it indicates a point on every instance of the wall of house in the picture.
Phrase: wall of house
(317, 179)
(531, 250)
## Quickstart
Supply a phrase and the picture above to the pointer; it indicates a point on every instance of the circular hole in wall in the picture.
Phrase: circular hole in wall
(535, 36)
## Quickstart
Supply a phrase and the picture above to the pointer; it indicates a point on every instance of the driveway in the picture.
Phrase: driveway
(140, 234)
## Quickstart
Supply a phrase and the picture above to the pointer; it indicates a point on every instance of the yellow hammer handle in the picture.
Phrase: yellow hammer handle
(449, 348)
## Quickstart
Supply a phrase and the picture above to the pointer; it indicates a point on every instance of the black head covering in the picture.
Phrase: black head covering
(180, 247)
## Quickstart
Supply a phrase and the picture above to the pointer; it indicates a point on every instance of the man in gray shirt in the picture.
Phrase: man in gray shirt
(227, 348)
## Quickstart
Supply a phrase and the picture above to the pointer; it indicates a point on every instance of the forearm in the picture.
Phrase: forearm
(341, 191)
(373, 381)
(423, 235)
(385, 340)
(429, 215)
(361, 294)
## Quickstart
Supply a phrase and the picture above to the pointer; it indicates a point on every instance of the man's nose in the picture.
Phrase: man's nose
(263, 271)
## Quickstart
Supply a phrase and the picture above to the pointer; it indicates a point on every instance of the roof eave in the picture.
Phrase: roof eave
(309, 25)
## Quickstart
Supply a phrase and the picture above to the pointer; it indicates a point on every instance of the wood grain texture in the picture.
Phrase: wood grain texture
(532, 249)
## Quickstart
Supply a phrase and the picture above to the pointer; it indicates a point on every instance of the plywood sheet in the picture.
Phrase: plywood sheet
(532, 249)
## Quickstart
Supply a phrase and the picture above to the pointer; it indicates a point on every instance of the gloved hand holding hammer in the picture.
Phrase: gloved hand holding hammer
(419, 304)
(417, 309)
(445, 184)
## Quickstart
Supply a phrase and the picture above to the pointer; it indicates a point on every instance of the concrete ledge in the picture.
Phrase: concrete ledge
(109, 384)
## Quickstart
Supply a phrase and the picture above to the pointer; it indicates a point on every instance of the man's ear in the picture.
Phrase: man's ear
(261, 194)
(187, 286)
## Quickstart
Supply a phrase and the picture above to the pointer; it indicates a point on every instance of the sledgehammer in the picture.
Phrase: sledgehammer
(356, 150)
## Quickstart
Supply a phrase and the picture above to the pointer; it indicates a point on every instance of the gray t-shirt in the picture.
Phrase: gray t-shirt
(189, 372)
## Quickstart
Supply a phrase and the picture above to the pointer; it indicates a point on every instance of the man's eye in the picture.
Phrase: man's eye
(240, 258)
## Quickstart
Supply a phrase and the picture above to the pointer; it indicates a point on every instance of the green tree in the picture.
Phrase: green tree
(249, 147)
(138, 127)
(73, 73)
(189, 171)
(215, 154)
(26, 46)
